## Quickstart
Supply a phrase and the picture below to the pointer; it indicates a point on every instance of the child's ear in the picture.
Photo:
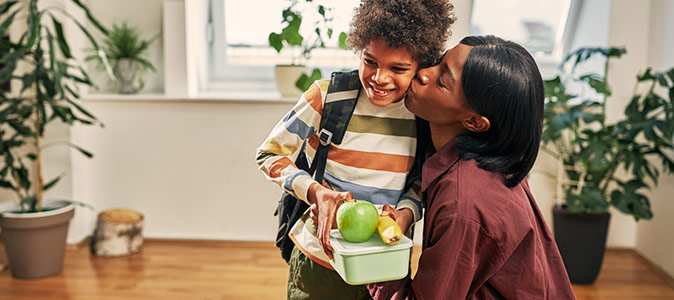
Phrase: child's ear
(476, 123)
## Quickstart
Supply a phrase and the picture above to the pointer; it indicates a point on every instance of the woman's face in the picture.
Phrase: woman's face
(436, 94)
(386, 72)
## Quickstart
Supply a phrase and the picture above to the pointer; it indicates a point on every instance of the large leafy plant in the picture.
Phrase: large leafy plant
(591, 150)
(50, 79)
(290, 36)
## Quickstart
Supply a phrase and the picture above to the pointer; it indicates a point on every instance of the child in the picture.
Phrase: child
(484, 236)
(395, 39)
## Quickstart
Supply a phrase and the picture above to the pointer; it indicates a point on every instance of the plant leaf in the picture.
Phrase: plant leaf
(4, 26)
(20, 128)
(598, 84)
(33, 24)
(8, 61)
(629, 201)
(81, 150)
(6, 184)
(276, 41)
(4, 7)
(51, 183)
(91, 18)
(670, 73)
(81, 109)
(304, 82)
(662, 80)
(645, 76)
(22, 174)
(342, 41)
(60, 37)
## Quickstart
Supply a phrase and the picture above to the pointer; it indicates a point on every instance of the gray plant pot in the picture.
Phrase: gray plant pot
(35, 242)
(126, 71)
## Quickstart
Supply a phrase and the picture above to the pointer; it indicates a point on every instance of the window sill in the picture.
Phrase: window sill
(247, 97)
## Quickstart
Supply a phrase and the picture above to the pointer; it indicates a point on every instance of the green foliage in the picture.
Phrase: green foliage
(124, 42)
(575, 131)
(290, 36)
(49, 91)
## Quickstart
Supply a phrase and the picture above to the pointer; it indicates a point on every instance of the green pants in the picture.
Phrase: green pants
(309, 280)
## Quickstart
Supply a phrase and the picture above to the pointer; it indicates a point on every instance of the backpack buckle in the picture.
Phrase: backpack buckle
(325, 136)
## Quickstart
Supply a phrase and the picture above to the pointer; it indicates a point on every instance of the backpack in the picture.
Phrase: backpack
(340, 102)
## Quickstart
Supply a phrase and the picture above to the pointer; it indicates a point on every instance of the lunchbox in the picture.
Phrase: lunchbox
(370, 261)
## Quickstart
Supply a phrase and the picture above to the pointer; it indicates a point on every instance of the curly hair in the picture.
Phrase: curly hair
(420, 26)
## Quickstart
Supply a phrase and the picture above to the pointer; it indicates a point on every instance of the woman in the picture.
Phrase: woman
(484, 236)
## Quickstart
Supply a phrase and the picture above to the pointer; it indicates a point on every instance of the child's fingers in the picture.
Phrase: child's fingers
(313, 212)
(388, 210)
(325, 241)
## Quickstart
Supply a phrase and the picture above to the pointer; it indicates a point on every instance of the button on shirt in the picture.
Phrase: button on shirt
(482, 240)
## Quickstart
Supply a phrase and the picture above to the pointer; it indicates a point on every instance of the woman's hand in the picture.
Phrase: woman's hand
(325, 202)
(404, 216)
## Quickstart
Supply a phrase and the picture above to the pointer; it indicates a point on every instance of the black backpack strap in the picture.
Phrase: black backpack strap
(340, 103)
(423, 141)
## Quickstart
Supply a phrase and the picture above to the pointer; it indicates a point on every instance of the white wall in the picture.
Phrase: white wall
(592, 26)
(462, 11)
(621, 77)
(654, 238)
(188, 166)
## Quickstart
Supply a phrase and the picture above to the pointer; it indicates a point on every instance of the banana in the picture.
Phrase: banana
(388, 230)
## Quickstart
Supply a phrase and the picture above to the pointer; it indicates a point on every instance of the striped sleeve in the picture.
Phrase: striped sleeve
(276, 156)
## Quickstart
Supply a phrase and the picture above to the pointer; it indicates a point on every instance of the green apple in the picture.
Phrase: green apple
(357, 220)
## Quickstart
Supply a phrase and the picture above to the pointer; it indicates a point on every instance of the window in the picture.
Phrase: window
(538, 25)
(240, 55)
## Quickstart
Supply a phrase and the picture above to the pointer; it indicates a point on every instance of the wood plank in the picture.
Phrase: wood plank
(181, 269)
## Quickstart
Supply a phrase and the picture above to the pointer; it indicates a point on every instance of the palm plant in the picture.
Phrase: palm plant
(591, 150)
(123, 45)
(49, 91)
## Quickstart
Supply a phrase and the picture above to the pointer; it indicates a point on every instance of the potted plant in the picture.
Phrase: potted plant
(293, 79)
(34, 234)
(125, 49)
(590, 152)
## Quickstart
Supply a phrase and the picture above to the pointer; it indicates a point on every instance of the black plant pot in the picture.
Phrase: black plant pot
(581, 239)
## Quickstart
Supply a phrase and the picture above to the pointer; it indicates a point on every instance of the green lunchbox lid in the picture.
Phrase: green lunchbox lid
(372, 245)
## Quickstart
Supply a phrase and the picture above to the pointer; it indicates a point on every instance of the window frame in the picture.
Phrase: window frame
(224, 76)
(564, 36)
(233, 77)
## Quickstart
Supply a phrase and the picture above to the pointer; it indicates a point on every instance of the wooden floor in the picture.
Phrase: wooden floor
(252, 270)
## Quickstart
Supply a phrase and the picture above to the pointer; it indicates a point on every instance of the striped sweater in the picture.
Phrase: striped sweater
(371, 162)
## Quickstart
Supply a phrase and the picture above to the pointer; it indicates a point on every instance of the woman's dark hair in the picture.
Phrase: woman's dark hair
(420, 26)
(502, 82)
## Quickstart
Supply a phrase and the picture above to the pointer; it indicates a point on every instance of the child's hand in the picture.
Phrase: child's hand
(326, 202)
(404, 216)
(313, 213)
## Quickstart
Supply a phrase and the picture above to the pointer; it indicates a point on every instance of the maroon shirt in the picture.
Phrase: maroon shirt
(482, 240)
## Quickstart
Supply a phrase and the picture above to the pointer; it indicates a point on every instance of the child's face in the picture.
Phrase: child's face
(437, 93)
(385, 72)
